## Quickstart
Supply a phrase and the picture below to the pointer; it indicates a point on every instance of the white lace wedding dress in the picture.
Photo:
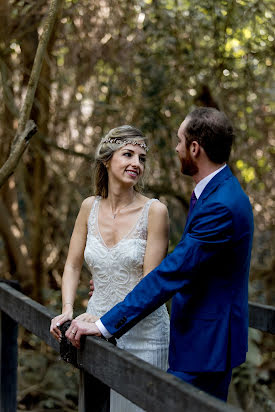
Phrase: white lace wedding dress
(116, 271)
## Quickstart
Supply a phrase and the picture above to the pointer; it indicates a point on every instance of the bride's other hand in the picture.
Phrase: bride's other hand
(86, 317)
(58, 321)
(92, 288)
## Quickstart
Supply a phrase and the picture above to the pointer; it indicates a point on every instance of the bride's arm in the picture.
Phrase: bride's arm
(72, 267)
(157, 236)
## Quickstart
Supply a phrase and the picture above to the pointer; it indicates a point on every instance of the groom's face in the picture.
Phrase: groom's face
(188, 164)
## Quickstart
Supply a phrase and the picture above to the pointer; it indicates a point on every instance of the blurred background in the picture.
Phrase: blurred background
(146, 63)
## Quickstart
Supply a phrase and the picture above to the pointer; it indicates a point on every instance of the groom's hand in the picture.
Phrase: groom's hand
(92, 287)
(79, 328)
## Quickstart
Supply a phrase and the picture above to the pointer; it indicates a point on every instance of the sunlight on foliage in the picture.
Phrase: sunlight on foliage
(247, 172)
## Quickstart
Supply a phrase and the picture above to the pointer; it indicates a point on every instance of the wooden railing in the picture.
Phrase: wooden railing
(103, 366)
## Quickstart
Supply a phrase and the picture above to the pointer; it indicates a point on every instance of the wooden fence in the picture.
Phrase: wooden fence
(103, 366)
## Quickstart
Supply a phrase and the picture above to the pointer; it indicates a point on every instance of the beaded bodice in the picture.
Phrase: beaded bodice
(116, 270)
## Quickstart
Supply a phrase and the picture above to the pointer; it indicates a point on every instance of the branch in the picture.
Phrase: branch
(37, 64)
(26, 130)
(18, 147)
(68, 151)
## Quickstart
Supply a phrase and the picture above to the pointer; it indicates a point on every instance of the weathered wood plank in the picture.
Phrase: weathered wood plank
(262, 317)
(30, 314)
(145, 385)
(135, 379)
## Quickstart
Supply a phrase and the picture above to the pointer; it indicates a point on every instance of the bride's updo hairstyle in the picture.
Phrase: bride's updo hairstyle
(114, 140)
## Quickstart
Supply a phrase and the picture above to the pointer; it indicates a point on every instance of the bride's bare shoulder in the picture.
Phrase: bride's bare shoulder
(87, 205)
(158, 210)
(158, 220)
(88, 202)
(156, 207)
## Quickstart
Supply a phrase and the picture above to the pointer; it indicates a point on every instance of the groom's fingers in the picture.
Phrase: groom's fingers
(68, 332)
(71, 330)
(92, 288)
(76, 341)
(79, 328)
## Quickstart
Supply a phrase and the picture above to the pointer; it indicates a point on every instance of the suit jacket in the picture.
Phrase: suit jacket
(207, 275)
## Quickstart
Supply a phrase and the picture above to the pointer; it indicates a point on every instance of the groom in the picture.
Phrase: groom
(207, 273)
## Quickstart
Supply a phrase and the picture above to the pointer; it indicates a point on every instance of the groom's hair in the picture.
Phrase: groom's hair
(212, 130)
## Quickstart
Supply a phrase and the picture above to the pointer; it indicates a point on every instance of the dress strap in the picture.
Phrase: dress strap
(146, 210)
(140, 229)
(93, 215)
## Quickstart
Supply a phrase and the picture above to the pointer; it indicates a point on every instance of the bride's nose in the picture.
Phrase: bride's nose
(135, 161)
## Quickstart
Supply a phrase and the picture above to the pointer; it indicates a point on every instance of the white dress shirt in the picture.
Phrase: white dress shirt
(198, 191)
(202, 183)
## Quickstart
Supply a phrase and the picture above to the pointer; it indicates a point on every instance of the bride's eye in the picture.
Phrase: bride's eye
(127, 154)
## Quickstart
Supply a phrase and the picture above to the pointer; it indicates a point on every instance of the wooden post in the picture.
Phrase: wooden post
(8, 358)
(8, 361)
(94, 395)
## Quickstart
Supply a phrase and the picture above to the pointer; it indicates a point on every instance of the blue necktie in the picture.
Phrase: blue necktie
(193, 201)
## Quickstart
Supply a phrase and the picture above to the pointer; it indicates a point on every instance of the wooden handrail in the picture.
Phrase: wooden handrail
(140, 382)
(262, 317)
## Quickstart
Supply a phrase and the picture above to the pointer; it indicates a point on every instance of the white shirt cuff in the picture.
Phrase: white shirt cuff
(103, 330)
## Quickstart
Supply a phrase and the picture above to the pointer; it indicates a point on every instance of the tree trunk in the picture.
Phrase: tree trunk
(14, 249)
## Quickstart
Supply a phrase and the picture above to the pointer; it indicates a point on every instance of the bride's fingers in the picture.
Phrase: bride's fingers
(54, 329)
(55, 324)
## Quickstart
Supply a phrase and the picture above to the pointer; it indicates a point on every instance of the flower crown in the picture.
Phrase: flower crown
(125, 142)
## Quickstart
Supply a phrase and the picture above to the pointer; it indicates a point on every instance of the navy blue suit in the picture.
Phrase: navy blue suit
(207, 275)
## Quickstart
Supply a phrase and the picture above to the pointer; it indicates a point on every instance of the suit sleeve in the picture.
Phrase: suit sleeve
(209, 233)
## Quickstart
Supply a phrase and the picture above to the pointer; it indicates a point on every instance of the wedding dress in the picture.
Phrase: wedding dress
(116, 271)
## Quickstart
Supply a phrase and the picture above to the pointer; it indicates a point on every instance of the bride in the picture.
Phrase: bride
(123, 236)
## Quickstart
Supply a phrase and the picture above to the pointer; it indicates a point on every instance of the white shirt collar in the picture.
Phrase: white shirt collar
(202, 183)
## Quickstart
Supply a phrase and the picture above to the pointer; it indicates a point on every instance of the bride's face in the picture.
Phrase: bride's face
(127, 164)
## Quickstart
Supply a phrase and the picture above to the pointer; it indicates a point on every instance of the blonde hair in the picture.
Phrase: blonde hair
(114, 140)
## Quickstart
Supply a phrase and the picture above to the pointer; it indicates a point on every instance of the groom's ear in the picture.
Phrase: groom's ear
(194, 148)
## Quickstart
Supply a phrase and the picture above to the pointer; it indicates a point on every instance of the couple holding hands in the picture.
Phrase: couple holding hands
(123, 237)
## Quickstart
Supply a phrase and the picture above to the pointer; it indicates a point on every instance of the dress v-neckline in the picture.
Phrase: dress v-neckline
(123, 237)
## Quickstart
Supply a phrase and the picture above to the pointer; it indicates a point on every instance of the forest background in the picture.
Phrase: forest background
(146, 63)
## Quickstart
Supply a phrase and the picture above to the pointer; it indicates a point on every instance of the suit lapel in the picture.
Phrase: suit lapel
(211, 187)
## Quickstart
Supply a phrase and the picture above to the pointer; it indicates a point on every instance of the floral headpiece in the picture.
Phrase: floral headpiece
(125, 142)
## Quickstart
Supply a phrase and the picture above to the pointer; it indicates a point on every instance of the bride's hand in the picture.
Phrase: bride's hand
(57, 321)
(86, 317)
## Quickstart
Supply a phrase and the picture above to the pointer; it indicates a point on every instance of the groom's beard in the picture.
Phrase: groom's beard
(188, 166)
